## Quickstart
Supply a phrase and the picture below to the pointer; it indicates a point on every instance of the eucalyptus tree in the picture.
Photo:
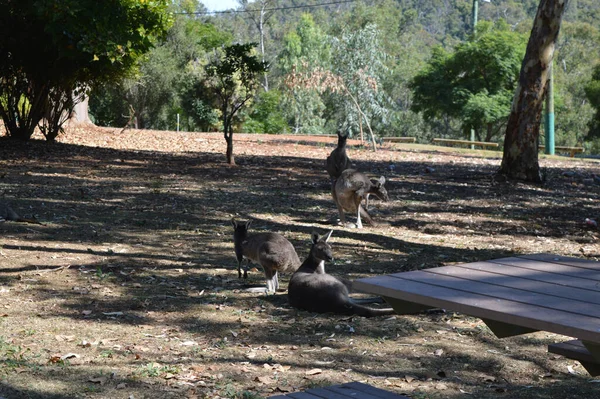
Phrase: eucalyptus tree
(305, 50)
(520, 156)
(360, 64)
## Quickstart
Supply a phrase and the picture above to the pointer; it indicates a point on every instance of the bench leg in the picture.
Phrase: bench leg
(405, 307)
(503, 330)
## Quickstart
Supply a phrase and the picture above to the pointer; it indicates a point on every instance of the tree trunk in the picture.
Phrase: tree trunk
(520, 158)
(228, 134)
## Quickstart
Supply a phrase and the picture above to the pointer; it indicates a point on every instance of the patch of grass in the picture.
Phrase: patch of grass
(12, 356)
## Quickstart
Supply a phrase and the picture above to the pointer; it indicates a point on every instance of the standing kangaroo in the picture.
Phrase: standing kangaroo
(350, 189)
(270, 250)
(338, 160)
(312, 289)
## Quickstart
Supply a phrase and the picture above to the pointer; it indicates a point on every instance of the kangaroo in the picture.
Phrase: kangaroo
(270, 250)
(338, 160)
(319, 292)
(7, 213)
(350, 189)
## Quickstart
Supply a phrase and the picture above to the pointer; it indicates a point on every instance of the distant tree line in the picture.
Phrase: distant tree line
(410, 68)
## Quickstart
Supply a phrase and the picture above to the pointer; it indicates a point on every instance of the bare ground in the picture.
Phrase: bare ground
(129, 288)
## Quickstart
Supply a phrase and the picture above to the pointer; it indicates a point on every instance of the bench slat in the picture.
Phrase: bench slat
(351, 390)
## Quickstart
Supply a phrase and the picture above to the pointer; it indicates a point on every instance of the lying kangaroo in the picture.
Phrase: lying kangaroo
(338, 160)
(7, 213)
(319, 292)
(270, 250)
(350, 189)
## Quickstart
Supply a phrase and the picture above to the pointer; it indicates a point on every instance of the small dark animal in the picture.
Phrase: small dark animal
(319, 292)
(7, 214)
(351, 188)
(270, 250)
(338, 160)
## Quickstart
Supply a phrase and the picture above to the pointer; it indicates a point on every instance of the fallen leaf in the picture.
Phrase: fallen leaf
(438, 352)
(313, 372)
(266, 380)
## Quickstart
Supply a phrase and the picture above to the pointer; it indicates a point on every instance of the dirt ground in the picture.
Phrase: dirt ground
(129, 288)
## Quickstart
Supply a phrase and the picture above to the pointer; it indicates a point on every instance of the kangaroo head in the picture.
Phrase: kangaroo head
(320, 248)
(342, 138)
(379, 190)
(240, 229)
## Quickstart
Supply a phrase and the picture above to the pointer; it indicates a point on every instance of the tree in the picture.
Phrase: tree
(305, 49)
(520, 157)
(592, 92)
(232, 77)
(475, 83)
(360, 63)
(51, 49)
(264, 14)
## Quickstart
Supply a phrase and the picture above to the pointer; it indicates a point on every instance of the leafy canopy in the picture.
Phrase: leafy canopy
(474, 83)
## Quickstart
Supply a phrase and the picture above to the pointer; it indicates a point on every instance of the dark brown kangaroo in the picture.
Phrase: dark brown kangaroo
(338, 160)
(7, 213)
(270, 250)
(311, 290)
(351, 188)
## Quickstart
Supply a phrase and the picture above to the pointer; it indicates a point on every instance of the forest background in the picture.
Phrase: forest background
(415, 67)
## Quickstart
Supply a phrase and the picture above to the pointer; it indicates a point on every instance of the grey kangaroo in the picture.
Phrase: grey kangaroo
(311, 290)
(270, 250)
(7, 213)
(351, 188)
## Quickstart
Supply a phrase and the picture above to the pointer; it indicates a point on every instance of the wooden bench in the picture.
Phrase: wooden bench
(354, 390)
(483, 144)
(575, 350)
(571, 150)
(398, 140)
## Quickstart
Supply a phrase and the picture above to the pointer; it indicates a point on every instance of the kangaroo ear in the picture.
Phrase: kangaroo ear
(382, 180)
(314, 237)
(234, 223)
(326, 236)
(248, 223)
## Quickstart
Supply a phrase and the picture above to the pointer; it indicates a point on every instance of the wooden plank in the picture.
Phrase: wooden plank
(451, 277)
(359, 387)
(480, 272)
(485, 306)
(572, 283)
(296, 395)
(566, 272)
(328, 393)
(564, 260)
(575, 349)
(351, 390)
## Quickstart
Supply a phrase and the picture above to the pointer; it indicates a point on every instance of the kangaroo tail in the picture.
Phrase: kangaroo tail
(365, 311)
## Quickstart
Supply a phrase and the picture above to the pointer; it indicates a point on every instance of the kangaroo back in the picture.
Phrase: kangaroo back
(312, 289)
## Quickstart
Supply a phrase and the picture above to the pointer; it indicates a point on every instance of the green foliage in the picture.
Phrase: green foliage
(474, 83)
(59, 46)
(360, 62)
(266, 115)
(232, 79)
(305, 49)
(592, 92)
